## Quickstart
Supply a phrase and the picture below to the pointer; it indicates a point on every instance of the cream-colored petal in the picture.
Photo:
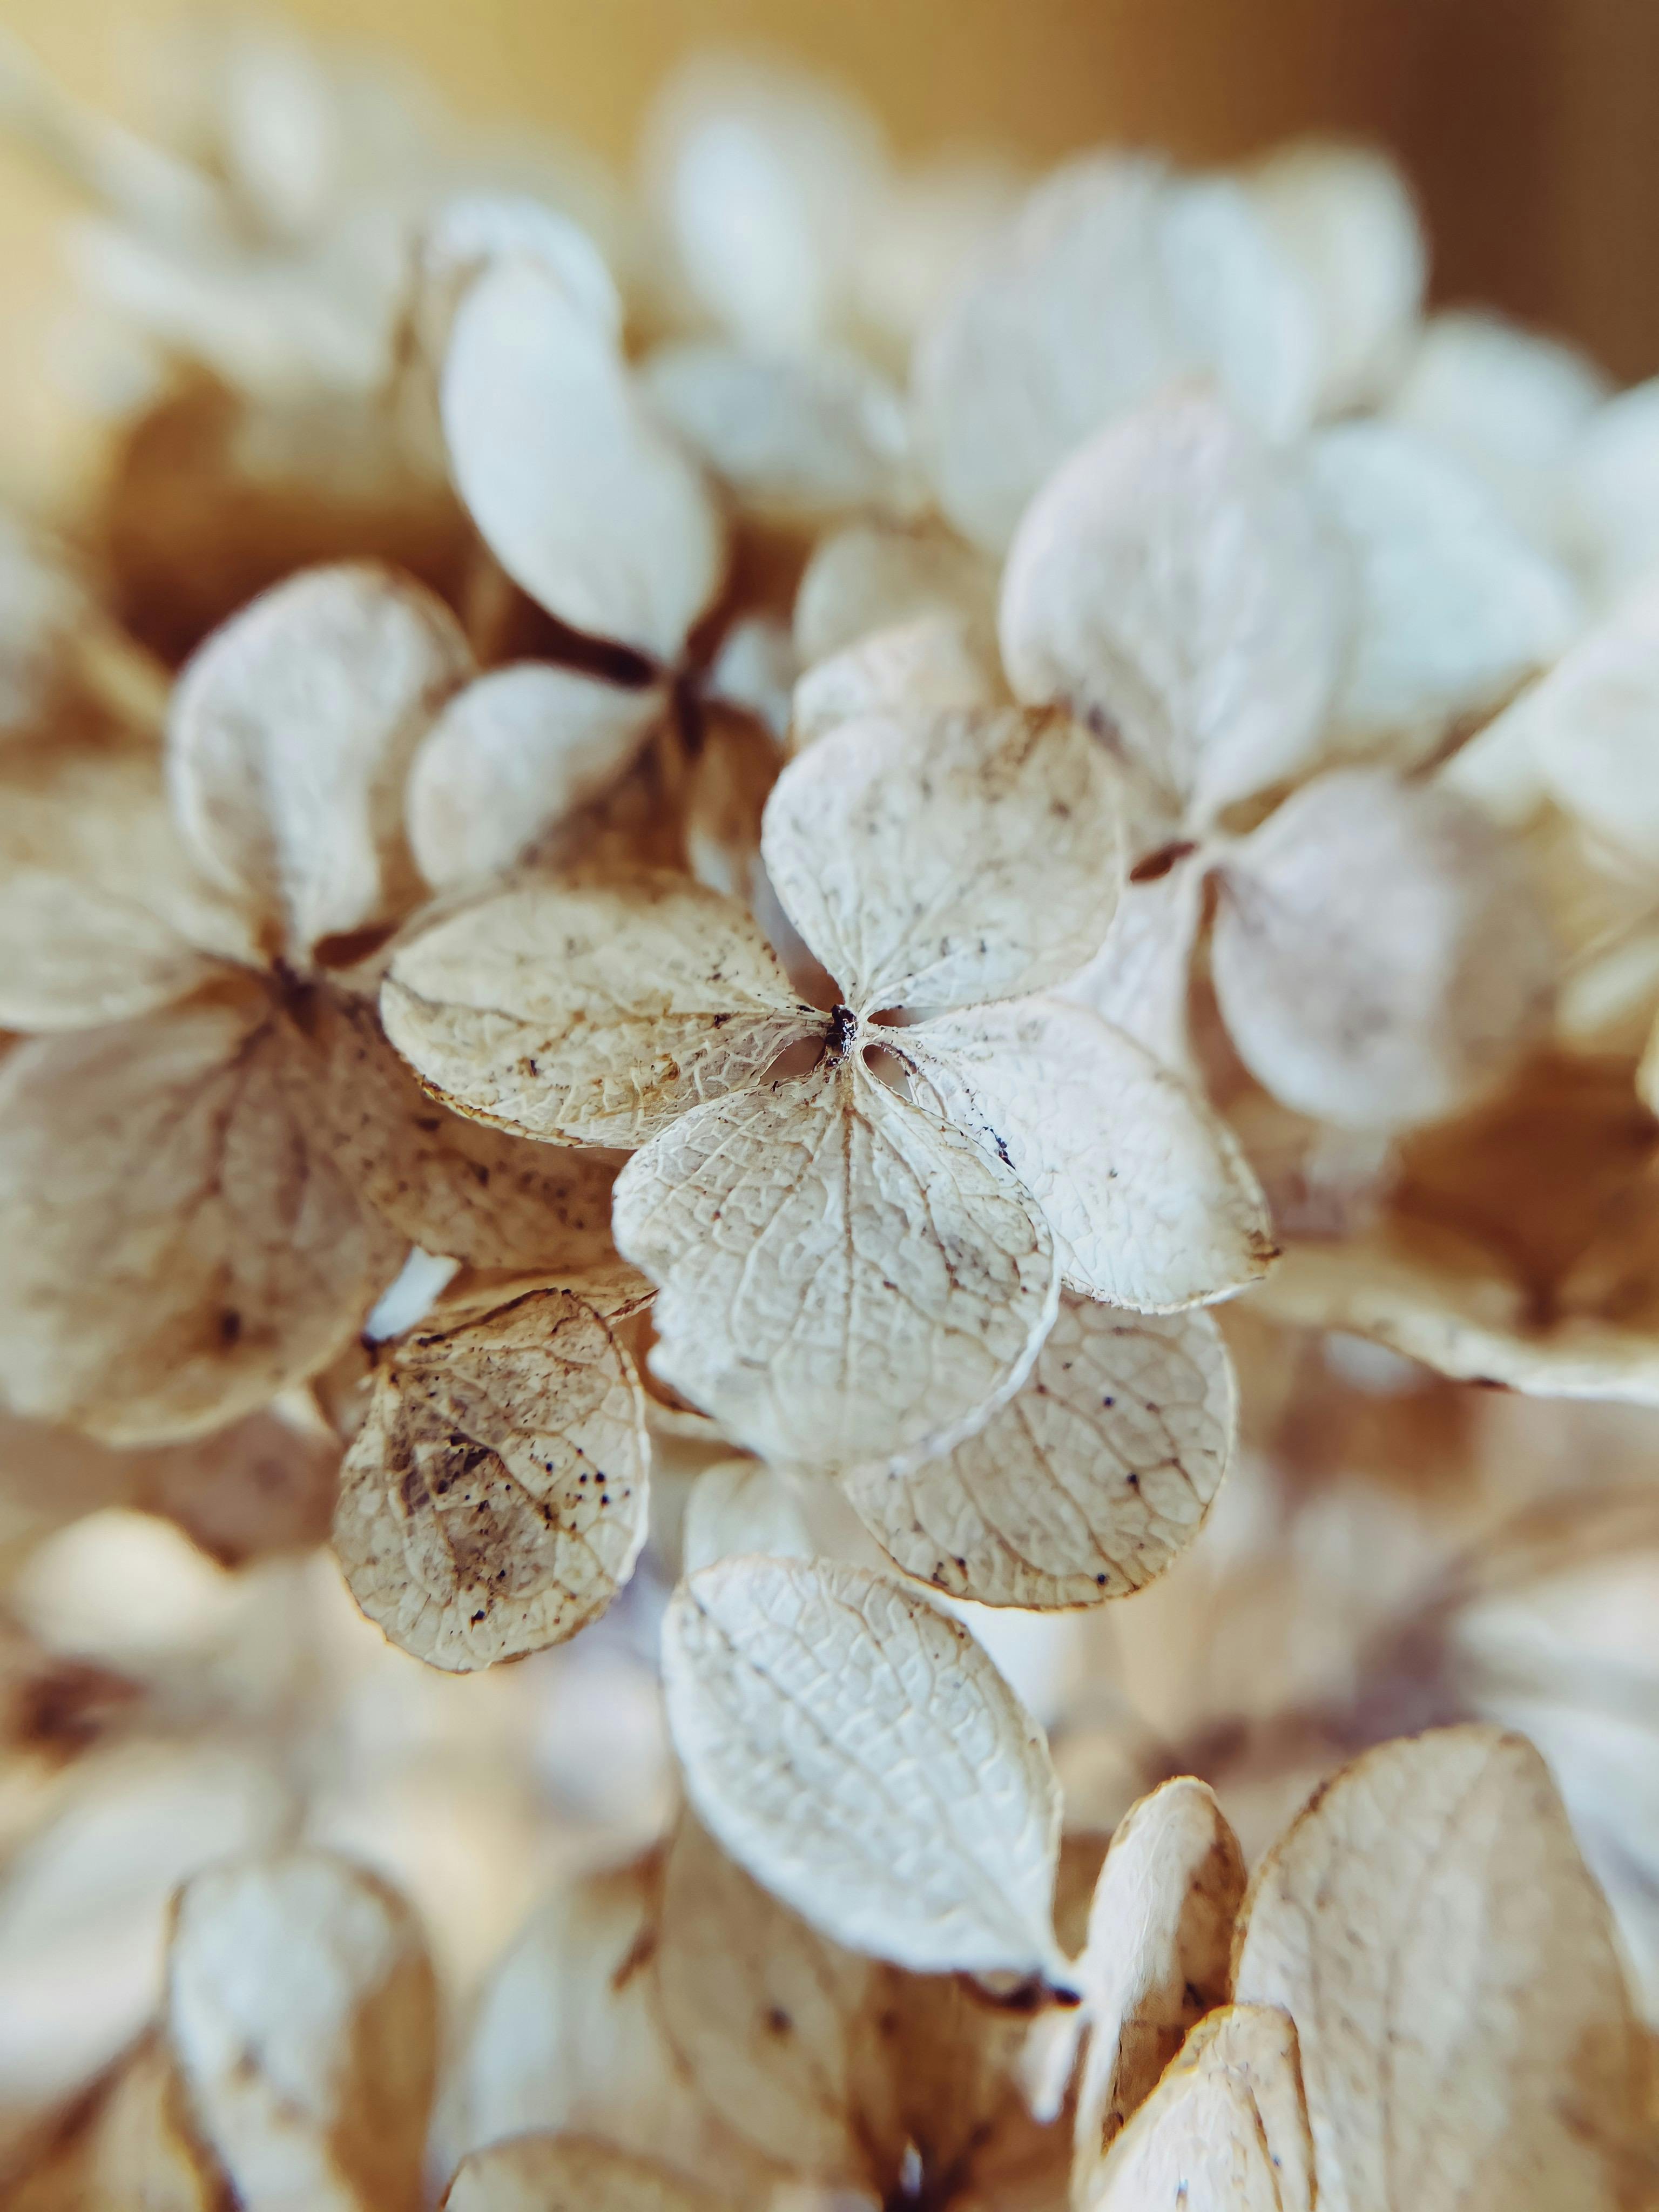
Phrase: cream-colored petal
(855, 1749)
(494, 1500)
(1159, 1953)
(1249, 317)
(180, 1243)
(474, 231)
(1150, 1199)
(1226, 2131)
(301, 2013)
(842, 1278)
(591, 1012)
(1453, 606)
(101, 912)
(446, 1184)
(1588, 727)
(755, 671)
(873, 574)
(942, 860)
(133, 2152)
(510, 758)
(727, 790)
(1140, 979)
(924, 666)
(741, 1506)
(569, 2173)
(1380, 954)
(1345, 216)
(586, 501)
(1094, 1476)
(772, 2021)
(1466, 2032)
(43, 607)
(568, 2037)
(801, 437)
(289, 740)
(1175, 586)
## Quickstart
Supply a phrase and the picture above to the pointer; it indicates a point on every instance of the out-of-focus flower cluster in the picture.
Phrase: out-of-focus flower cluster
(808, 888)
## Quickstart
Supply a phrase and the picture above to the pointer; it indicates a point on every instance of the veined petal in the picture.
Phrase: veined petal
(843, 1279)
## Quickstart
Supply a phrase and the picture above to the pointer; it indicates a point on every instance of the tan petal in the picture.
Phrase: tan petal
(1140, 979)
(804, 437)
(1094, 1476)
(101, 913)
(874, 574)
(731, 780)
(1150, 1199)
(133, 2152)
(742, 1506)
(1160, 1955)
(1380, 955)
(568, 2036)
(302, 2014)
(1587, 728)
(770, 2018)
(446, 1184)
(1226, 2131)
(494, 1500)
(939, 860)
(842, 1278)
(1345, 216)
(44, 608)
(921, 1828)
(1466, 2033)
(569, 2173)
(182, 1245)
(1174, 585)
(290, 737)
(923, 666)
(585, 501)
(510, 758)
(1454, 607)
(591, 1013)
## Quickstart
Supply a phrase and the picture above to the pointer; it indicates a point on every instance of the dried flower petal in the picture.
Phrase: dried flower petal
(569, 2173)
(181, 1244)
(591, 1013)
(842, 1278)
(742, 1506)
(1159, 1953)
(101, 914)
(1466, 2033)
(1140, 979)
(1225, 2129)
(1380, 955)
(801, 437)
(1086, 1484)
(1453, 606)
(1150, 1199)
(510, 758)
(918, 668)
(448, 1184)
(943, 860)
(1175, 586)
(874, 574)
(493, 1502)
(290, 736)
(302, 2014)
(934, 1821)
(581, 497)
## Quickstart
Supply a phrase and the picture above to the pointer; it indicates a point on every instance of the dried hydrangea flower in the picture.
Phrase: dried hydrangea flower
(1378, 954)
(604, 1012)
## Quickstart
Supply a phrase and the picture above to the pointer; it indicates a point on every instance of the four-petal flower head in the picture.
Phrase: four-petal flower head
(854, 1271)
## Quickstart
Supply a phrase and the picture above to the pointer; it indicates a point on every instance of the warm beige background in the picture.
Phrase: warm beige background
(1529, 125)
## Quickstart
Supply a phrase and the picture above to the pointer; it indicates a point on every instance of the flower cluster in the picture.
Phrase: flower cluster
(681, 886)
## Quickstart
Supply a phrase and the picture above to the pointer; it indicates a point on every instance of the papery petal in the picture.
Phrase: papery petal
(872, 575)
(924, 666)
(569, 2174)
(1150, 1199)
(1140, 979)
(842, 1278)
(583, 499)
(938, 861)
(1175, 586)
(591, 1013)
(289, 739)
(1379, 954)
(510, 758)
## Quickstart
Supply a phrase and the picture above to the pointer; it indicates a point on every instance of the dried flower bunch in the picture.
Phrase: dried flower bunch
(681, 884)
